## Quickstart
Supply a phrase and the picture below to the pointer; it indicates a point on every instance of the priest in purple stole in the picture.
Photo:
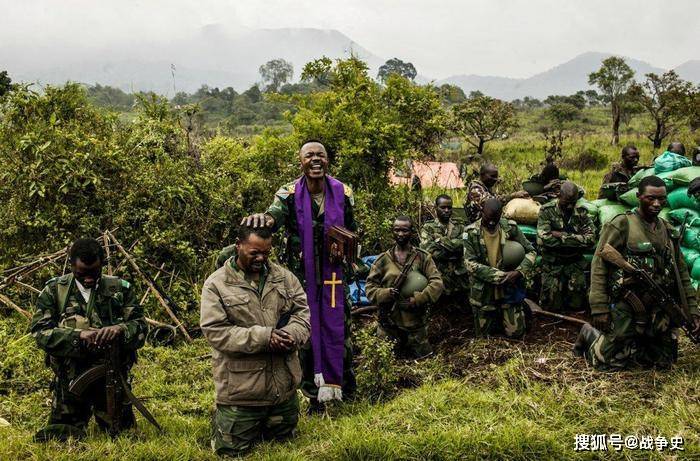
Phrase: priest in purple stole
(307, 208)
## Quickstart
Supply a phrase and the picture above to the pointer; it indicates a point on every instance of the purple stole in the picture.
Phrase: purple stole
(327, 305)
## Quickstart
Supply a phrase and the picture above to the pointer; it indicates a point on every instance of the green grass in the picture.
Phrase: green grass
(483, 400)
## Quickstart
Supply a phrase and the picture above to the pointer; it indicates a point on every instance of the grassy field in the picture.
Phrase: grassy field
(476, 399)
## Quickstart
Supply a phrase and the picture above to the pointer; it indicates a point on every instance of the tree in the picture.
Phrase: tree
(275, 73)
(317, 71)
(452, 94)
(482, 118)
(5, 83)
(613, 79)
(561, 117)
(665, 97)
(396, 66)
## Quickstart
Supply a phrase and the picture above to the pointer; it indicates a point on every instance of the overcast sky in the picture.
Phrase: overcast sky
(512, 38)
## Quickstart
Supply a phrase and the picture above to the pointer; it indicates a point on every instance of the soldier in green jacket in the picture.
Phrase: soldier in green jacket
(403, 311)
(76, 314)
(564, 233)
(496, 273)
(635, 330)
(442, 238)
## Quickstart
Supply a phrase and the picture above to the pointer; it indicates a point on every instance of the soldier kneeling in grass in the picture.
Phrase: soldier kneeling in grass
(498, 257)
(78, 315)
(255, 316)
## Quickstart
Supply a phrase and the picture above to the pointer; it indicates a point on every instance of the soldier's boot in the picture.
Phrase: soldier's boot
(585, 338)
(315, 407)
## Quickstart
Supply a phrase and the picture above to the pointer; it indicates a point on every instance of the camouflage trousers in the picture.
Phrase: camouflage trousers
(414, 341)
(632, 339)
(306, 356)
(564, 286)
(235, 429)
(71, 414)
(494, 318)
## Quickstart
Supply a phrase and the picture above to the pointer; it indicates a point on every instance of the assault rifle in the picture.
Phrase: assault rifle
(118, 392)
(665, 300)
(384, 315)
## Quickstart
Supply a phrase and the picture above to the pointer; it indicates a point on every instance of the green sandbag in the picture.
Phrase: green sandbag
(695, 273)
(591, 207)
(665, 213)
(683, 176)
(603, 202)
(634, 180)
(589, 257)
(677, 216)
(689, 255)
(679, 199)
(630, 198)
(691, 239)
(669, 161)
(668, 181)
(530, 232)
(607, 212)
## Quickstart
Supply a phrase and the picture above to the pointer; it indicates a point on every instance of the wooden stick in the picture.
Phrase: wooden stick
(364, 310)
(536, 309)
(150, 284)
(28, 287)
(8, 302)
(105, 241)
(156, 323)
(145, 295)
(130, 248)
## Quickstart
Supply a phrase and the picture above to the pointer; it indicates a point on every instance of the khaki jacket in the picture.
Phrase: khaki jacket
(238, 324)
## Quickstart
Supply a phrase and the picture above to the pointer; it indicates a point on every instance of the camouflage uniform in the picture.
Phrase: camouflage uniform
(445, 245)
(644, 338)
(617, 174)
(477, 193)
(284, 212)
(483, 280)
(563, 265)
(409, 327)
(61, 313)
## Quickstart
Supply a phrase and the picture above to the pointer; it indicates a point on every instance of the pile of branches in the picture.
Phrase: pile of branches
(19, 277)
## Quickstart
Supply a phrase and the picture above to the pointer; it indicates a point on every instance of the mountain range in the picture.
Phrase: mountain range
(216, 57)
(566, 78)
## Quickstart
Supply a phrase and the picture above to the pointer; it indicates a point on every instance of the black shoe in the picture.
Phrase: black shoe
(585, 338)
(315, 407)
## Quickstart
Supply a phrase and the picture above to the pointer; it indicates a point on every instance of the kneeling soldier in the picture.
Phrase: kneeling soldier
(255, 316)
(632, 323)
(497, 256)
(77, 314)
(564, 233)
(403, 283)
(442, 238)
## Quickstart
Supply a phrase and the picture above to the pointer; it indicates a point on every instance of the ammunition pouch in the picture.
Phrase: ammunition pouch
(75, 321)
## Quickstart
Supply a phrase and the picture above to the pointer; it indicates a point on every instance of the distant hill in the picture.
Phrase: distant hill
(566, 78)
(690, 71)
(218, 57)
(212, 56)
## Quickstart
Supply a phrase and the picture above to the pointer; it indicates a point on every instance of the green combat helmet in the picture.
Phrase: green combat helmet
(415, 281)
(513, 255)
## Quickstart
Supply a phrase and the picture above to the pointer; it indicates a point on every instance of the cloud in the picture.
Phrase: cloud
(514, 38)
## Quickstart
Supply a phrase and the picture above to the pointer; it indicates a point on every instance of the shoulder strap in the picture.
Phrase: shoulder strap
(63, 285)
